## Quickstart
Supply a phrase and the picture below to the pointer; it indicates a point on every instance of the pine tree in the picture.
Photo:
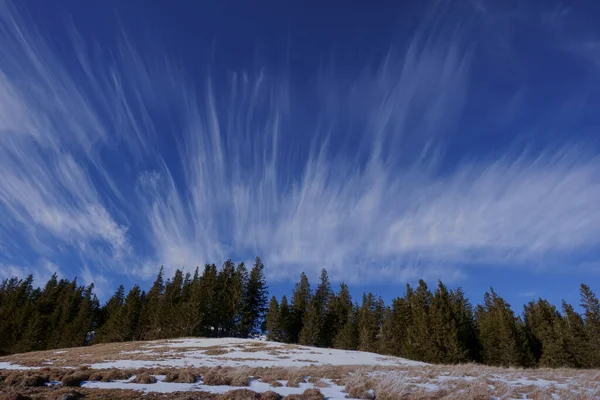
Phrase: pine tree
(394, 330)
(447, 347)
(576, 337)
(591, 306)
(367, 324)
(501, 344)
(255, 301)
(544, 324)
(150, 317)
(284, 315)
(273, 321)
(347, 336)
(418, 332)
(314, 332)
(462, 311)
(300, 300)
(311, 329)
(170, 316)
(112, 318)
(130, 314)
(339, 312)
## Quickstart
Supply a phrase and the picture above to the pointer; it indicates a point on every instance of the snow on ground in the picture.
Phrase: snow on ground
(333, 391)
(245, 352)
(5, 365)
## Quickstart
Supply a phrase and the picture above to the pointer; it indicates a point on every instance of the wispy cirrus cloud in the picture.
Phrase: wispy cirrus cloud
(123, 164)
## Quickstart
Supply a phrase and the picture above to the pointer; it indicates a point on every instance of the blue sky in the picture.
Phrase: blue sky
(386, 142)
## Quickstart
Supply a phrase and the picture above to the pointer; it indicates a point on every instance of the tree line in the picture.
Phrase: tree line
(439, 326)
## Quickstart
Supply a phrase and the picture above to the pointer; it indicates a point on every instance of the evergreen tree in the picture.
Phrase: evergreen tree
(544, 324)
(576, 337)
(367, 324)
(150, 317)
(255, 301)
(314, 331)
(420, 342)
(339, 312)
(347, 336)
(462, 311)
(273, 321)
(394, 330)
(311, 329)
(447, 346)
(300, 300)
(284, 315)
(501, 343)
(591, 307)
(130, 314)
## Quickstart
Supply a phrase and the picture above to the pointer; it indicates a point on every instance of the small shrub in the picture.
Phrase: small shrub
(270, 395)
(186, 377)
(216, 377)
(295, 381)
(12, 379)
(240, 394)
(144, 378)
(72, 395)
(14, 396)
(313, 394)
(239, 378)
(171, 377)
(34, 380)
(75, 378)
(96, 376)
(216, 352)
(116, 375)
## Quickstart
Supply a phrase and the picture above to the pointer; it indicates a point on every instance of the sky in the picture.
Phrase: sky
(385, 141)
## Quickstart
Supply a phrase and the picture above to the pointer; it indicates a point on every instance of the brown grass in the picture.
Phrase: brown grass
(144, 378)
(75, 378)
(270, 395)
(240, 394)
(227, 376)
(185, 376)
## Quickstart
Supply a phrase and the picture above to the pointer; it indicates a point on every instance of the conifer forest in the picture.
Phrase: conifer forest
(431, 324)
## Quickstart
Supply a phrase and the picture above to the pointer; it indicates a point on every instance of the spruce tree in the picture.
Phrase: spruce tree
(447, 347)
(367, 324)
(543, 324)
(347, 336)
(591, 307)
(314, 332)
(150, 317)
(300, 300)
(273, 321)
(418, 332)
(394, 330)
(501, 343)
(284, 315)
(255, 301)
(576, 337)
(311, 329)
(340, 310)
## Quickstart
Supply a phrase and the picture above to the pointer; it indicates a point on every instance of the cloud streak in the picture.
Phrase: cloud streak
(128, 167)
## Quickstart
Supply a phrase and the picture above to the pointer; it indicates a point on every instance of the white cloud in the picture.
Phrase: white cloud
(82, 170)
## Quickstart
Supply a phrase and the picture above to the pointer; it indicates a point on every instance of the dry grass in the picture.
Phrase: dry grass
(227, 376)
(240, 394)
(144, 378)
